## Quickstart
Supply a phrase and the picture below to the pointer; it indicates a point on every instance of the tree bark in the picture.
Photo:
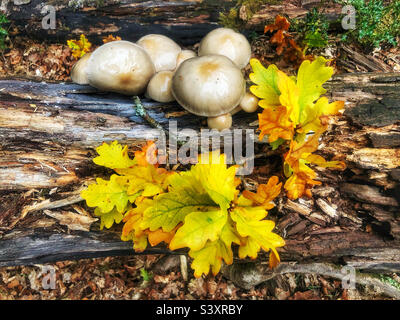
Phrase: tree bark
(47, 136)
(185, 21)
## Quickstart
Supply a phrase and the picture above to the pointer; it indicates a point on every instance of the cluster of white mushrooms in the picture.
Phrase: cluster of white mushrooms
(210, 84)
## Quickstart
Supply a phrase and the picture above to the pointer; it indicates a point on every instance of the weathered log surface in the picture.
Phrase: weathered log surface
(48, 133)
(185, 21)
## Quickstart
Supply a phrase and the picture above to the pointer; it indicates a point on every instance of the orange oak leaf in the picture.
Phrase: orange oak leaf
(302, 177)
(276, 124)
(265, 193)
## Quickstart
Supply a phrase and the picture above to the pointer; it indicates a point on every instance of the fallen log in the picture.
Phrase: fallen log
(48, 133)
(185, 21)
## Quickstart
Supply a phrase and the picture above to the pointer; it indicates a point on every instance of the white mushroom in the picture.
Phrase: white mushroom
(228, 43)
(79, 70)
(208, 86)
(221, 122)
(184, 55)
(159, 87)
(120, 66)
(162, 50)
(249, 103)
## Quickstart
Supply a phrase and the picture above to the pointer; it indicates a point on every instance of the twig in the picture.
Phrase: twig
(250, 275)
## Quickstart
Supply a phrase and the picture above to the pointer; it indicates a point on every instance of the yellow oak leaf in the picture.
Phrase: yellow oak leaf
(146, 181)
(113, 156)
(106, 195)
(317, 113)
(211, 255)
(216, 178)
(289, 97)
(107, 219)
(199, 227)
(171, 208)
(256, 231)
(206, 187)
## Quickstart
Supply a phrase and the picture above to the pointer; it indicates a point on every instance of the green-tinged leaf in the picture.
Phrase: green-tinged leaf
(310, 78)
(107, 219)
(277, 143)
(198, 228)
(266, 81)
(106, 195)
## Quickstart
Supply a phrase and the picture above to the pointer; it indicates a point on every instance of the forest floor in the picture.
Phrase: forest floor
(158, 276)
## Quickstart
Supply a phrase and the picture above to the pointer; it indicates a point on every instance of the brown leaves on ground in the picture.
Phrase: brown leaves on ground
(39, 60)
(120, 278)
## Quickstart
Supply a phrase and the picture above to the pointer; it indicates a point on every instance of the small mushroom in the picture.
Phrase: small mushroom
(208, 86)
(249, 103)
(184, 55)
(221, 122)
(79, 70)
(159, 87)
(120, 66)
(228, 43)
(162, 50)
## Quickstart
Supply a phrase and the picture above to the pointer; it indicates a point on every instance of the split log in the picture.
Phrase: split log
(48, 133)
(185, 21)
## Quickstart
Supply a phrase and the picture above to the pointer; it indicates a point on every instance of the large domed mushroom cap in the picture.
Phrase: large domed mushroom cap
(162, 50)
(120, 66)
(208, 86)
(228, 43)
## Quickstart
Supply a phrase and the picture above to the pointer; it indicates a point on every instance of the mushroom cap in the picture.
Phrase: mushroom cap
(79, 70)
(159, 87)
(209, 85)
(184, 55)
(228, 43)
(162, 50)
(249, 103)
(221, 122)
(120, 66)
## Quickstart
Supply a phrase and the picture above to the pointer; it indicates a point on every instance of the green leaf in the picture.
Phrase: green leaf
(198, 228)
(266, 81)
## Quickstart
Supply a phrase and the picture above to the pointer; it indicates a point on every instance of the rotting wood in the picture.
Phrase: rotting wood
(48, 133)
